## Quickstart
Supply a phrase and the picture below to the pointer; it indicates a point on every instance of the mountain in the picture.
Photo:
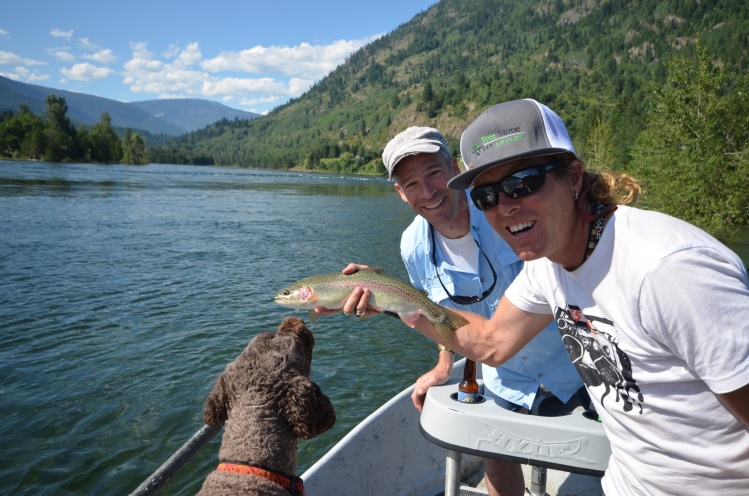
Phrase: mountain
(191, 113)
(587, 60)
(169, 117)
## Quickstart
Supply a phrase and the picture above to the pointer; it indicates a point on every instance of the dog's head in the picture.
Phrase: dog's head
(292, 335)
(278, 364)
(287, 351)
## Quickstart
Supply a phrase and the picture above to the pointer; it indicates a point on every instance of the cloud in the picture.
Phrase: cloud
(86, 72)
(142, 60)
(9, 58)
(298, 86)
(144, 74)
(304, 60)
(102, 56)
(59, 33)
(87, 44)
(172, 51)
(238, 86)
(21, 71)
(273, 74)
(4, 34)
(189, 56)
(62, 54)
(25, 75)
(250, 102)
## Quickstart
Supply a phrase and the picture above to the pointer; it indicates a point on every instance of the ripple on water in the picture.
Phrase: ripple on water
(125, 291)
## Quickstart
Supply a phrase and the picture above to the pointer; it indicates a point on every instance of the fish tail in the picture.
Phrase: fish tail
(445, 331)
(447, 324)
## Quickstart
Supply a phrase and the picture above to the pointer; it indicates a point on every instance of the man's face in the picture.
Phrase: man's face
(422, 180)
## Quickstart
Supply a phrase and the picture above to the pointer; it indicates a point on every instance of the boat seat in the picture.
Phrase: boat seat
(562, 440)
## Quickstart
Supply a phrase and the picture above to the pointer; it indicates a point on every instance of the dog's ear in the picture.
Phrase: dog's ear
(216, 410)
(307, 409)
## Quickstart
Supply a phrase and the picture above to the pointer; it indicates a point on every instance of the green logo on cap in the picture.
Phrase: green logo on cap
(492, 140)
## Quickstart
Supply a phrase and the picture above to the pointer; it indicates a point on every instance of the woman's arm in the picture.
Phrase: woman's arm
(492, 341)
(737, 403)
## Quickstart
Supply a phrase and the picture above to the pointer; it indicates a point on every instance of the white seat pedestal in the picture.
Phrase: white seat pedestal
(570, 442)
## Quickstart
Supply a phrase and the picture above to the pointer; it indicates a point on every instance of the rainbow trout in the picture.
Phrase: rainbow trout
(387, 294)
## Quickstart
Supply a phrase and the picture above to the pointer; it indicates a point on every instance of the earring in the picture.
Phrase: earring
(576, 195)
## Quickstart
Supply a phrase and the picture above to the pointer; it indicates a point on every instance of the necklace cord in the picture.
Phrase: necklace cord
(462, 300)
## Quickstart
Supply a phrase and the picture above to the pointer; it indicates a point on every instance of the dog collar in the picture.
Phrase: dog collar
(293, 484)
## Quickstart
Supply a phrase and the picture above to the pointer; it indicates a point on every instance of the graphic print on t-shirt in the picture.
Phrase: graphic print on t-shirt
(597, 356)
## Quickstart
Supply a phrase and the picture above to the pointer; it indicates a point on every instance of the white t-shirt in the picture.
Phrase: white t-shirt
(462, 252)
(656, 322)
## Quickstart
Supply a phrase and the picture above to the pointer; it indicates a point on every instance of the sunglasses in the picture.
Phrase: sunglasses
(518, 185)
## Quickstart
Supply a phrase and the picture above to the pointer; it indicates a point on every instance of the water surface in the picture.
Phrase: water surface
(125, 290)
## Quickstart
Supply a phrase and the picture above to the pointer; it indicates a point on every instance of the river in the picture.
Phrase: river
(125, 290)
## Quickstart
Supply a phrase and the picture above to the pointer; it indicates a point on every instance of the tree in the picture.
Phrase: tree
(598, 149)
(133, 149)
(692, 156)
(59, 133)
(104, 144)
(427, 103)
(22, 135)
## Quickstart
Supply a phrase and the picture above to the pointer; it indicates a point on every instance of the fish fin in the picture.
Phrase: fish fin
(313, 317)
(386, 312)
(410, 318)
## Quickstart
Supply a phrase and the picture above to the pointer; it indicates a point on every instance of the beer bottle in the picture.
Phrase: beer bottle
(468, 389)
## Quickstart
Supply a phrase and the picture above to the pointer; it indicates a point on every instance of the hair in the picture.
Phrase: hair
(612, 188)
(604, 188)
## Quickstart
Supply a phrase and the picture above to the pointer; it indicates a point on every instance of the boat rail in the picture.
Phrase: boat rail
(166, 472)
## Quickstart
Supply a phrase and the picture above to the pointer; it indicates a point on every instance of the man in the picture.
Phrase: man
(653, 311)
(452, 252)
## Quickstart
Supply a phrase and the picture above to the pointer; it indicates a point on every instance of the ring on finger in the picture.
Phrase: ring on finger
(361, 313)
(350, 314)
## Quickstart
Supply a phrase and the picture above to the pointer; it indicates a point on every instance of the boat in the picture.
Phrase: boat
(396, 451)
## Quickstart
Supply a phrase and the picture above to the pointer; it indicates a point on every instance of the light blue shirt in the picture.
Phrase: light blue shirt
(543, 360)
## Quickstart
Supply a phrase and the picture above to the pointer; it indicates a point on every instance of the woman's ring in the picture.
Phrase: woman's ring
(361, 313)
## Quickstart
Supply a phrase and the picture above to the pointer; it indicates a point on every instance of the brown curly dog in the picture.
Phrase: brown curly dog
(266, 401)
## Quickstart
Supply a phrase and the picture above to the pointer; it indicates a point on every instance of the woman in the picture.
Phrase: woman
(653, 311)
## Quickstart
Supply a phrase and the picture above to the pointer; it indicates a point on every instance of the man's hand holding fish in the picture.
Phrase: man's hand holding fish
(357, 303)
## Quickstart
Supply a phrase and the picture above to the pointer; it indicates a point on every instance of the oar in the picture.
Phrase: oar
(161, 477)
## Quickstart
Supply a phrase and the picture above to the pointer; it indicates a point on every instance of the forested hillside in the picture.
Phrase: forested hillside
(590, 61)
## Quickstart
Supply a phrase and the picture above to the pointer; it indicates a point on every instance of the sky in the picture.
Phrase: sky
(246, 54)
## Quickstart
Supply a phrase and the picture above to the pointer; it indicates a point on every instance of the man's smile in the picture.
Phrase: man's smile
(435, 204)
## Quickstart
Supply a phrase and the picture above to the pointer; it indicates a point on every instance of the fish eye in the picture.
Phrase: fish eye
(286, 292)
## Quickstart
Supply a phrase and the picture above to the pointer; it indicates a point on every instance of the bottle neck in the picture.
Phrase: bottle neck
(469, 372)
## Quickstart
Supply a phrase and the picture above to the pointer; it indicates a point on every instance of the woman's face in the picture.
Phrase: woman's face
(544, 223)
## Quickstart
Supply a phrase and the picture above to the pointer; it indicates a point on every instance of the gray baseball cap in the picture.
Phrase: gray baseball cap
(412, 141)
(510, 131)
